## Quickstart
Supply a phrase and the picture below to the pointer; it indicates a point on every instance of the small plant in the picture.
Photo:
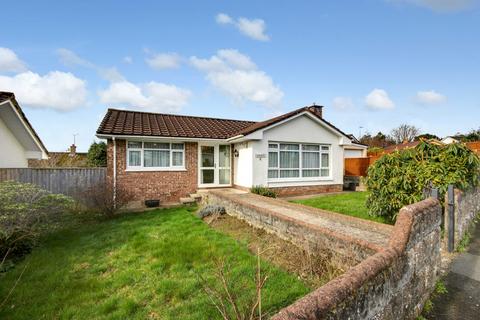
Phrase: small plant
(263, 191)
(210, 210)
(440, 288)
(464, 242)
(224, 294)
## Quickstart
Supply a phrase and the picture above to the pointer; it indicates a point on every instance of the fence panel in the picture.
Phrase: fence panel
(356, 166)
(69, 181)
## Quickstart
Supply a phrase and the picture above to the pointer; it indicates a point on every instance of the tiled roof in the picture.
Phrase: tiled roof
(135, 123)
(4, 96)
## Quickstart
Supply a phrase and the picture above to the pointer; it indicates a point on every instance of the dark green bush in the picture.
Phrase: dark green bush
(27, 211)
(97, 154)
(399, 178)
(263, 191)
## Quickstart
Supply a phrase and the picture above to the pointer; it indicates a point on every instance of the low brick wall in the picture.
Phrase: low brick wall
(306, 190)
(467, 206)
(391, 284)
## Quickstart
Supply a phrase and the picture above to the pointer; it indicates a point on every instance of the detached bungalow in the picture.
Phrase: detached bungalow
(165, 157)
(18, 140)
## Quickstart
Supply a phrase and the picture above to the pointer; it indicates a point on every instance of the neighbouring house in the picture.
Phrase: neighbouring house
(68, 159)
(449, 140)
(165, 157)
(18, 139)
(356, 149)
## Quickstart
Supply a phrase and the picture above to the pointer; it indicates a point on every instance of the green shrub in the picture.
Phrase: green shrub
(263, 191)
(27, 211)
(399, 178)
(97, 154)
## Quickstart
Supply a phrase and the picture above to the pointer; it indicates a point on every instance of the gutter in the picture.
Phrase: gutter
(156, 138)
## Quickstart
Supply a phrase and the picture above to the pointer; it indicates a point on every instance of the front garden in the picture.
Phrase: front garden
(152, 265)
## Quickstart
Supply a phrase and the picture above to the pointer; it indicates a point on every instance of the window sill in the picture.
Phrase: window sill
(142, 169)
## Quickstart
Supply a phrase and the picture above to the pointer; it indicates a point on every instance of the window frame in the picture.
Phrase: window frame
(277, 149)
(142, 150)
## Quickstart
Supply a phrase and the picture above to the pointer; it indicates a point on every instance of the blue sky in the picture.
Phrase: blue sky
(371, 63)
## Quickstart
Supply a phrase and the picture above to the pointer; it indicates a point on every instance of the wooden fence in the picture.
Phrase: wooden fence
(358, 166)
(69, 181)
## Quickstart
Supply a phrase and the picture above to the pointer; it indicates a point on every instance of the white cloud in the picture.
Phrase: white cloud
(70, 58)
(236, 59)
(430, 97)
(223, 18)
(235, 75)
(127, 60)
(252, 28)
(164, 61)
(442, 5)
(342, 102)
(10, 62)
(56, 90)
(379, 99)
(153, 96)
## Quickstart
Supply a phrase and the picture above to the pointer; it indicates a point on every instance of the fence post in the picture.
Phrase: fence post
(451, 218)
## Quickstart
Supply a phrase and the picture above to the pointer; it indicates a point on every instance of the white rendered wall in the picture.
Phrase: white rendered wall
(12, 153)
(351, 153)
(302, 130)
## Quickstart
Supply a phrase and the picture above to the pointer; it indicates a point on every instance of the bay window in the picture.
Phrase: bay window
(155, 155)
(297, 160)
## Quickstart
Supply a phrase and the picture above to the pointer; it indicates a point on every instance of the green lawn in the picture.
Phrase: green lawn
(351, 203)
(139, 266)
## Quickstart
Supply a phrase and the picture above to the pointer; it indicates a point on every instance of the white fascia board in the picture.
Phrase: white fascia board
(27, 128)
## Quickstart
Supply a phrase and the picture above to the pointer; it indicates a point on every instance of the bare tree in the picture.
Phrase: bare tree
(404, 133)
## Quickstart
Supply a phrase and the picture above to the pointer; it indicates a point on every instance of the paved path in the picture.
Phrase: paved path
(356, 228)
(463, 284)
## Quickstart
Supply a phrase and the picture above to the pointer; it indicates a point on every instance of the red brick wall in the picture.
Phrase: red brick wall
(166, 186)
(305, 190)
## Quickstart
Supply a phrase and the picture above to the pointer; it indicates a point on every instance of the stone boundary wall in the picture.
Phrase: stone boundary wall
(391, 284)
(467, 206)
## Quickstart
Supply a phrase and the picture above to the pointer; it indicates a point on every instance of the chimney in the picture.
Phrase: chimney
(73, 150)
(316, 110)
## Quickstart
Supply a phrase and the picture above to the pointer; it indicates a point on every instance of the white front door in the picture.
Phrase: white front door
(214, 165)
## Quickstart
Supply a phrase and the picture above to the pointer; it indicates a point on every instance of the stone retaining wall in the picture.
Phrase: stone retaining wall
(391, 284)
(308, 236)
(467, 206)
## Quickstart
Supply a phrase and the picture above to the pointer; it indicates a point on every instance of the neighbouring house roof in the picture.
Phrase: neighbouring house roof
(410, 145)
(61, 160)
(136, 123)
(10, 96)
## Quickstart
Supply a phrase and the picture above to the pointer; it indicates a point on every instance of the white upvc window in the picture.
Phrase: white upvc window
(293, 161)
(155, 155)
